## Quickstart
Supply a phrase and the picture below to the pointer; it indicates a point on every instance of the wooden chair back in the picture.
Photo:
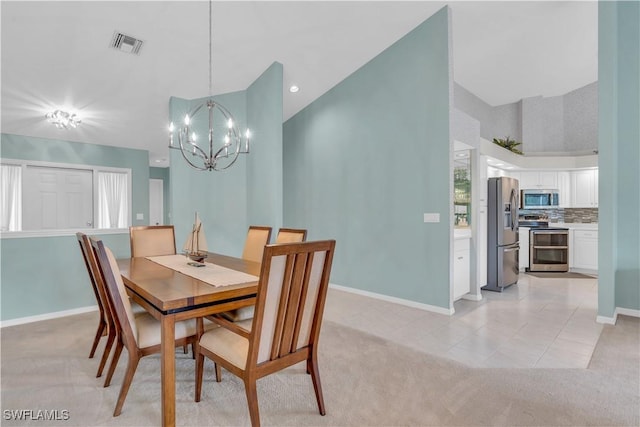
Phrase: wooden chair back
(117, 293)
(291, 235)
(87, 256)
(152, 240)
(257, 238)
(290, 302)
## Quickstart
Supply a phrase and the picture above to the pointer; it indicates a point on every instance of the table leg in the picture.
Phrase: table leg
(168, 371)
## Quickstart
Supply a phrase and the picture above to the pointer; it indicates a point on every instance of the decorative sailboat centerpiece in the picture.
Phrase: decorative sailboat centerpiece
(195, 247)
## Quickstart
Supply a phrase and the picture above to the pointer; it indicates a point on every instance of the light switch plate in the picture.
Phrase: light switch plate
(139, 216)
(432, 217)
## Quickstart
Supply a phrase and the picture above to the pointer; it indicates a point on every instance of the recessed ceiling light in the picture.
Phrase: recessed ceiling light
(294, 89)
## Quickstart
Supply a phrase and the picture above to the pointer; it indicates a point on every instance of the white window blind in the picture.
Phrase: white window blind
(11, 197)
(113, 199)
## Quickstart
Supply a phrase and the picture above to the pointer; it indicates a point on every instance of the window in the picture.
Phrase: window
(11, 203)
(47, 197)
(113, 205)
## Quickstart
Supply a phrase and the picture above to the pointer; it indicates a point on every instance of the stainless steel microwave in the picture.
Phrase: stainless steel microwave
(539, 199)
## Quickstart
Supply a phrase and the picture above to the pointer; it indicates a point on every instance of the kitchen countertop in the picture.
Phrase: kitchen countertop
(575, 225)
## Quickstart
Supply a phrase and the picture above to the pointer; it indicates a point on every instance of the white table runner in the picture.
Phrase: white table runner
(212, 274)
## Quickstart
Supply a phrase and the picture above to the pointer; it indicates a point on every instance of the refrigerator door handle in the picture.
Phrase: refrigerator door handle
(512, 248)
(514, 210)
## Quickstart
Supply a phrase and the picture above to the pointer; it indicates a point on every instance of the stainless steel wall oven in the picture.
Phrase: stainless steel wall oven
(549, 249)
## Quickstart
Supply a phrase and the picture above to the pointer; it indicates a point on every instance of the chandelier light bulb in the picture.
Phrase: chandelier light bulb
(230, 123)
(187, 120)
(247, 134)
(171, 127)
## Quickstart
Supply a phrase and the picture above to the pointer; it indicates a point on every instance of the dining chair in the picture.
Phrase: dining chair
(105, 323)
(140, 334)
(290, 301)
(152, 240)
(291, 235)
(257, 238)
(285, 235)
(107, 310)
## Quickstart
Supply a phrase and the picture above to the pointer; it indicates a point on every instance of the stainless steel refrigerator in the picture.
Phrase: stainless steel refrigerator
(503, 244)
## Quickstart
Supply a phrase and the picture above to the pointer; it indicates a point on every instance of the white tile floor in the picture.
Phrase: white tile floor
(538, 323)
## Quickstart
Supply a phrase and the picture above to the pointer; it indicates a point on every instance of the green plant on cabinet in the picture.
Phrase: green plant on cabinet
(509, 144)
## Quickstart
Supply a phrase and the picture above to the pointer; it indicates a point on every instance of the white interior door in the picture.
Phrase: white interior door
(156, 202)
(57, 198)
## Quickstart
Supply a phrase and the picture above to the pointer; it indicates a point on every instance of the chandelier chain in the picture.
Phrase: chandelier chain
(210, 50)
(226, 152)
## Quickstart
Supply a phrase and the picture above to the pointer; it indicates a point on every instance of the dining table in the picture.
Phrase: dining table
(175, 293)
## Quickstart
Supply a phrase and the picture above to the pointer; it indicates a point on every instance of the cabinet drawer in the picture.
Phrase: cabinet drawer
(585, 234)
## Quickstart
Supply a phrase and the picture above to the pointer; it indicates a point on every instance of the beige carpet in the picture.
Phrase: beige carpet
(366, 381)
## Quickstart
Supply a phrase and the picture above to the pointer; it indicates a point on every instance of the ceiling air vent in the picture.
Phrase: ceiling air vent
(125, 43)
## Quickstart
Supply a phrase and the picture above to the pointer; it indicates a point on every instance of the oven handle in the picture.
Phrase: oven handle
(550, 247)
(549, 232)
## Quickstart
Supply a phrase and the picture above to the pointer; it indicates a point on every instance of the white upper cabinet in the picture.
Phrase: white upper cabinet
(564, 189)
(584, 188)
(547, 180)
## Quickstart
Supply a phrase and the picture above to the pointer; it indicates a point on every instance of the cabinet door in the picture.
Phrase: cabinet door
(595, 188)
(548, 180)
(564, 189)
(461, 268)
(582, 189)
(585, 249)
(528, 180)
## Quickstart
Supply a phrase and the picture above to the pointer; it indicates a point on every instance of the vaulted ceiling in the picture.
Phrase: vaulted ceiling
(56, 54)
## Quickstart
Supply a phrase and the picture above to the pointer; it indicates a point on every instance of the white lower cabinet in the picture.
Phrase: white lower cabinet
(584, 246)
(461, 268)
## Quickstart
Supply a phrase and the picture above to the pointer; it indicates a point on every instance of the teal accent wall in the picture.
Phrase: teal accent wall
(619, 156)
(40, 275)
(229, 201)
(264, 171)
(366, 160)
(163, 174)
(47, 274)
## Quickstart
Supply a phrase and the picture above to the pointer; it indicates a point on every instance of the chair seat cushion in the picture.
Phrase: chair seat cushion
(137, 308)
(228, 345)
(239, 314)
(149, 330)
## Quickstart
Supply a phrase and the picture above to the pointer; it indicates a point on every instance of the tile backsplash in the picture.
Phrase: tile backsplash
(580, 215)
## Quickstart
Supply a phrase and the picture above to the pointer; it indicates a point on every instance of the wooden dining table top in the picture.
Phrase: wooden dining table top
(171, 291)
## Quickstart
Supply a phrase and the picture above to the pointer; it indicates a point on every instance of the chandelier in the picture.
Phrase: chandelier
(63, 120)
(222, 151)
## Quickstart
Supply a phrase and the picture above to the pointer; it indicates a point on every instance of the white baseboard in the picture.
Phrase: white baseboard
(607, 320)
(408, 303)
(619, 310)
(47, 316)
(627, 312)
(472, 297)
